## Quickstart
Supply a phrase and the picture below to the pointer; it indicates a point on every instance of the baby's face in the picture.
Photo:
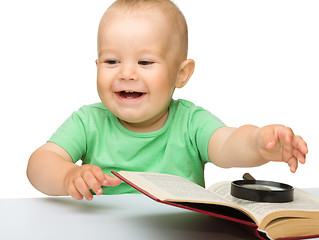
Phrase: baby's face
(137, 66)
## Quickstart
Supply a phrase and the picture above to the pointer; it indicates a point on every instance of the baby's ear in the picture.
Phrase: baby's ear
(186, 70)
(96, 62)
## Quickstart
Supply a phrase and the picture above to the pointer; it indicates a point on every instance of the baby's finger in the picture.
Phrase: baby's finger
(74, 192)
(112, 181)
(300, 156)
(300, 144)
(286, 135)
(98, 174)
(293, 164)
(83, 189)
(92, 182)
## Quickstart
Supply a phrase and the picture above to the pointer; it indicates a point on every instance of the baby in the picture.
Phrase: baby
(142, 58)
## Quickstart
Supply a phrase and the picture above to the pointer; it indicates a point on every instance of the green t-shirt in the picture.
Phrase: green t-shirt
(180, 147)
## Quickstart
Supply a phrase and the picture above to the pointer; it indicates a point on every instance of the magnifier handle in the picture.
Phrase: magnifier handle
(247, 176)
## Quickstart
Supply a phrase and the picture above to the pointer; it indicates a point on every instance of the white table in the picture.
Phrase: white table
(129, 216)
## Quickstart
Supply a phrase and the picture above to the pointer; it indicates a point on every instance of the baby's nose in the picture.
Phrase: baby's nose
(128, 72)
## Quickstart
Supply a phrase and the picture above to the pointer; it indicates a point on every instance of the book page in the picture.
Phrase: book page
(303, 201)
(171, 188)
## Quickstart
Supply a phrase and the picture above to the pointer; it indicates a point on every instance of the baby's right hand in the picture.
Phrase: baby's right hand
(80, 179)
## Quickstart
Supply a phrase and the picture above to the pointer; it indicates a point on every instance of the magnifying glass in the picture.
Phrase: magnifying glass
(261, 191)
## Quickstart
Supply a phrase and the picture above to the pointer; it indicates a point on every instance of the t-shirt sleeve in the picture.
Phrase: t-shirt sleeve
(204, 124)
(71, 135)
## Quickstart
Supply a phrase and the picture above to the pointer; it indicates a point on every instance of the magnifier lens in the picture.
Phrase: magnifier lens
(262, 187)
(262, 191)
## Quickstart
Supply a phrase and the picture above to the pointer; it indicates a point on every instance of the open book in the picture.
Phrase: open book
(294, 220)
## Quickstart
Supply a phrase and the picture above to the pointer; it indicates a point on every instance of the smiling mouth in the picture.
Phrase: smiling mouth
(130, 95)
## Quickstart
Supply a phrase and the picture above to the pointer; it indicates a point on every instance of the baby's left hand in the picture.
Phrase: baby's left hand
(279, 143)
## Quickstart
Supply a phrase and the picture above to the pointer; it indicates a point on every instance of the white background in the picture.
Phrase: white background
(257, 62)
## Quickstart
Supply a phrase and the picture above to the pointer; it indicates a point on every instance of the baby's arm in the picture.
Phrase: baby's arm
(52, 171)
(250, 146)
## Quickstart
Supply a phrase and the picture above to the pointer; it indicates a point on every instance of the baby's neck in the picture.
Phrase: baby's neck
(151, 125)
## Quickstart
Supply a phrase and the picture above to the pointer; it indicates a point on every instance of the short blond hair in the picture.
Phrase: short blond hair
(167, 8)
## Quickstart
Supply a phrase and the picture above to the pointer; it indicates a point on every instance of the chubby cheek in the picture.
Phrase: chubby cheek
(161, 83)
(102, 86)
(99, 86)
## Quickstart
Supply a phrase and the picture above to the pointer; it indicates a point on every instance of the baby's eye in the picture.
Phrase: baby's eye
(111, 62)
(144, 62)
